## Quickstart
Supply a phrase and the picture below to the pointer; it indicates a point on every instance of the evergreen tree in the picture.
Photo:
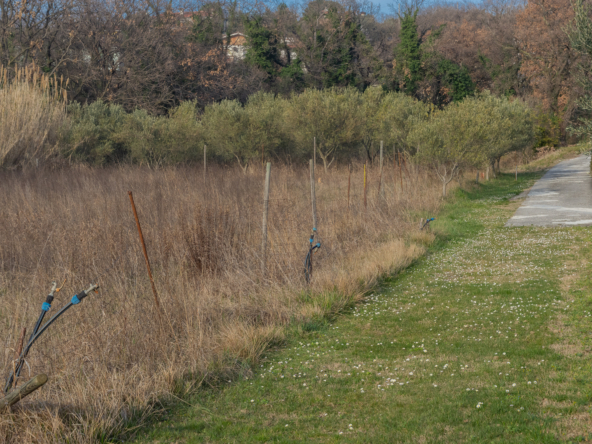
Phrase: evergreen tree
(408, 63)
(268, 52)
(263, 48)
(456, 78)
(208, 28)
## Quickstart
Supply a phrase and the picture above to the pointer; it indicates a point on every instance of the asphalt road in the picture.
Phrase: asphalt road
(562, 197)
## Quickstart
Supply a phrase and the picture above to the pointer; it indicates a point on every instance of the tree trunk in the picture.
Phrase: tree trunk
(325, 158)
(444, 183)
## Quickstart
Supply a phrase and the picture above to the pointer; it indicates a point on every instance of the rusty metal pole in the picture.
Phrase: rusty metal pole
(144, 249)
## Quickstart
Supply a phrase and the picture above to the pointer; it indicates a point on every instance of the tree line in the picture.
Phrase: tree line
(156, 55)
(344, 123)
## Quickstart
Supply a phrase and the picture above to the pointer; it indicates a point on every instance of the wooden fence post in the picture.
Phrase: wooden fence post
(314, 153)
(349, 167)
(380, 187)
(205, 165)
(265, 212)
(400, 170)
(313, 195)
(365, 181)
(145, 252)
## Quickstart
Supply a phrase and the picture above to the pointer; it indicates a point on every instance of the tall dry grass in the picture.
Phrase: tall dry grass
(32, 111)
(109, 359)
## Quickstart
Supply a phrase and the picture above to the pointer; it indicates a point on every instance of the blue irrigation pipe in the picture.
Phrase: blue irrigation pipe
(427, 222)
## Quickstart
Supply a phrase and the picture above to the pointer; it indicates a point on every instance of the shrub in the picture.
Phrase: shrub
(101, 133)
(164, 139)
(88, 135)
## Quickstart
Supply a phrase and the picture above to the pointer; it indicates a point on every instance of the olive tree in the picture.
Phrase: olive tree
(332, 116)
(451, 139)
(243, 132)
(397, 115)
(371, 121)
(509, 127)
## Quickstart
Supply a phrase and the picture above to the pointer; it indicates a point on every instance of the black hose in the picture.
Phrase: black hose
(308, 259)
(76, 299)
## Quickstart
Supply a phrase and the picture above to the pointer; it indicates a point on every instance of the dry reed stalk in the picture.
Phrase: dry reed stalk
(32, 111)
(107, 361)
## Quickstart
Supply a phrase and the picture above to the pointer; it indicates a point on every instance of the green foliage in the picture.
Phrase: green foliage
(457, 78)
(504, 76)
(408, 66)
(291, 77)
(580, 35)
(398, 115)
(408, 58)
(208, 29)
(389, 117)
(162, 140)
(267, 52)
(244, 133)
(420, 71)
(345, 123)
(548, 127)
(263, 48)
(336, 50)
(471, 133)
(341, 70)
(88, 135)
(100, 133)
(333, 116)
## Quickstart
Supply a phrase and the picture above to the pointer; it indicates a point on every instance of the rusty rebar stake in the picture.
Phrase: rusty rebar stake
(144, 249)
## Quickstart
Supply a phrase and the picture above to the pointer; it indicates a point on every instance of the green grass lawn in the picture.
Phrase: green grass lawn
(486, 339)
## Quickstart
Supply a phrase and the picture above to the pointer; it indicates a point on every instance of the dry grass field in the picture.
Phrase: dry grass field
(110, 361)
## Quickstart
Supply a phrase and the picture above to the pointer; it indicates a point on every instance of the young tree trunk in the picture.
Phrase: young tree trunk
(243, 167)
(325, 158)
(444, 183)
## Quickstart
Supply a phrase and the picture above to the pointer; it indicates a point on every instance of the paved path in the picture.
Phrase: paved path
(562, 197)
